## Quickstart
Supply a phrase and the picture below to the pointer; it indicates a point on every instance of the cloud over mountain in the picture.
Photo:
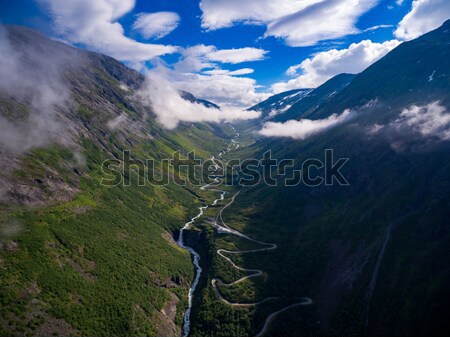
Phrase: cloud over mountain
(431, 120)
(304, 128)
(200, 71)
(221, 86)
(33, 77)
(171, 108)
(424, 16)
(322, 66)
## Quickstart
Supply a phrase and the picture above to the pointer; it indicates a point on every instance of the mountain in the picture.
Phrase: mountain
(279, 103)
(416, 71)
(413, 72)
(78, 256)
(293, 103)
(371, 254)
(191, 98)
(83, 252)
(316, 98)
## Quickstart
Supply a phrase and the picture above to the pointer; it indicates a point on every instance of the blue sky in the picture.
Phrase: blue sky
(263, 37)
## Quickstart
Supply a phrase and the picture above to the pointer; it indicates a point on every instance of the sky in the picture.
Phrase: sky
(235, 53)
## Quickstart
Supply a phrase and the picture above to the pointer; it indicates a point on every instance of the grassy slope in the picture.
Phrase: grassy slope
(99, 259)
(329, 238)
(103, 262)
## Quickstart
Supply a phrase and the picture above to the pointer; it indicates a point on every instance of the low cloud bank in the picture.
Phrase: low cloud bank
(430, 120)
(31, 76)
(304, 128)
(171, 109)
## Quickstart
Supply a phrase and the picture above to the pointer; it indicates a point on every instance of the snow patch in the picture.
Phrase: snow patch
(431, 77)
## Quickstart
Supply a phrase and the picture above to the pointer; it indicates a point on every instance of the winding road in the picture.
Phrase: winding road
(221, 227)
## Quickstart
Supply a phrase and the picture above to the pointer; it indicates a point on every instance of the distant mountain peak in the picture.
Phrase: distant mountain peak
(191, 98)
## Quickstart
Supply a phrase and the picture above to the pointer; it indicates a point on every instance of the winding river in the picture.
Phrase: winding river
(222, 227)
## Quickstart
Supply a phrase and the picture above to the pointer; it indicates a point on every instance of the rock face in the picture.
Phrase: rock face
(165, 319)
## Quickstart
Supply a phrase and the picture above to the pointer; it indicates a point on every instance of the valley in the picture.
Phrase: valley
(221, 229)
(93, 243)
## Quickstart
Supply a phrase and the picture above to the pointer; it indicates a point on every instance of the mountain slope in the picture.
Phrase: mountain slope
(417, 71)
(372, 255)
(279, 103)
(316, 98)
(292, 104)
(76, 256)
(191, 98)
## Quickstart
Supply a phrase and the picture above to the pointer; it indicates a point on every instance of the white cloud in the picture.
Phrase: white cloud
(324, 65)
(243, 71)
(199, 72)
(374, 129)
(94, 24)
(118, 121)
(325, 20)
(39, 86)
(237, 55)
(156, 25)
(377, 27)
(298, 22)
(223, 89)
(171, 109)
(424, 16)
(195, 59)
(428, 120)
(225, 13)
(304, 128)
(200, 57)
(415, 127)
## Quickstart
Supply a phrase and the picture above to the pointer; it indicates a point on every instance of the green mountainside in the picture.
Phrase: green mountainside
(373, 256)
(77, 257)
(81, 258)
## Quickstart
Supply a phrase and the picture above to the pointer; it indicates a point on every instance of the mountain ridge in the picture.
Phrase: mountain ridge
(69, 245)
(373, 254)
